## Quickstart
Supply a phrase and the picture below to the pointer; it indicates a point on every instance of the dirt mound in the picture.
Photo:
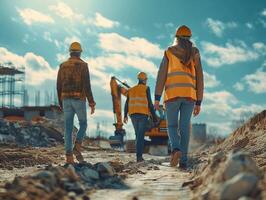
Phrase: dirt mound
(68, 182)
(237, 162)
(251, 137)
(14, 157)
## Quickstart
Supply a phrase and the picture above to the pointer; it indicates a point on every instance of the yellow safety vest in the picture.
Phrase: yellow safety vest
(181, 79)
(138, 102)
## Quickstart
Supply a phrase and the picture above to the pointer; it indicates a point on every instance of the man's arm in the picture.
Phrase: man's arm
(59, 87)
(161, 78)
(151, 108)
(126, 108)
(199, 78)
(87, 85)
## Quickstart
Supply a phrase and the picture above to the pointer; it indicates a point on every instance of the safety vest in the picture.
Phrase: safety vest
(138, 102)
(181, 79)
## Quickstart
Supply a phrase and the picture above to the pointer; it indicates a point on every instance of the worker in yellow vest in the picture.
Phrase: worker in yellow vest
(180, 76)
(139, 106)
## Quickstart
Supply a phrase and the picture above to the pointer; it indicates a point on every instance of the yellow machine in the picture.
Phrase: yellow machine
(156, 132)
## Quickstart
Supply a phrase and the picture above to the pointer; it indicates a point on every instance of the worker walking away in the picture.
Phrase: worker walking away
(139, 106)
(73, 87)
(180, 76)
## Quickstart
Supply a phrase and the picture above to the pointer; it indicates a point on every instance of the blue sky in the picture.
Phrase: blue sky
(122, 38)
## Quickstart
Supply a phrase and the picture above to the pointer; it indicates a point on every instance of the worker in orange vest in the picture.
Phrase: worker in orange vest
(180, 76)
(139, 106)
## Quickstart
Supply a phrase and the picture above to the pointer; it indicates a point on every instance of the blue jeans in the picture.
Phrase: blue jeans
(140, 122)
(179, 139)
(70, 108)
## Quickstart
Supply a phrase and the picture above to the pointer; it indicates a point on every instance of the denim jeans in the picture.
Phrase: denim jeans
(140, 122)
(70, 108)
(179, 138)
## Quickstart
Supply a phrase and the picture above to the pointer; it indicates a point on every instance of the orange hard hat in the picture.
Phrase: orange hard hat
(183, 31)
(75, 46)
(142, 76)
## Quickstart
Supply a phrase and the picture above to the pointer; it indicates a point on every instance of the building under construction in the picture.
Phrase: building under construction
(12, 86)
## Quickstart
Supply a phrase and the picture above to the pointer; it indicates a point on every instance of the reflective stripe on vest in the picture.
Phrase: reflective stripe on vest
(181, 79)
(138, 102)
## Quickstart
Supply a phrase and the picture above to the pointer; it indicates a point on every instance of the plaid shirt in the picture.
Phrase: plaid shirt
(73, 81)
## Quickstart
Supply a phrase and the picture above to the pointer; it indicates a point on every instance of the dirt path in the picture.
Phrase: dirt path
(155, 184)
(149, 180)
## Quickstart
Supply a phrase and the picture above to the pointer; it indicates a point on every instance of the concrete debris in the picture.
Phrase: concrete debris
(239, 162)
(62, 182)
(240, 185)
(25, 134)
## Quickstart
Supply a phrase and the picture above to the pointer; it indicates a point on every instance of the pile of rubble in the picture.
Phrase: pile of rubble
(39, 134)
(67, 182)
(235, 168)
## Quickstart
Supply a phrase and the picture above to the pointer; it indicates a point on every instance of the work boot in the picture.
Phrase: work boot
(77, 152)
(183, 166)
(70, 158)
(175, 156)
(140, 159)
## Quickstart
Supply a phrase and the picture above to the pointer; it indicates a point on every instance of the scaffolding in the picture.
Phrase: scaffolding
(12, 85)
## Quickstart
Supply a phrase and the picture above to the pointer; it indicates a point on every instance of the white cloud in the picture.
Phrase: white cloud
(113, 42)
(260, 47)
(210, 81)
(104, 22)
(239, 86)
(61, 57)
(221, 97)
(63, 10)
(256, 81)
(36, 67)
(31, 16)
(47, 36)
(218, 27)
(217, 56)
(117, 63)
(263, 13)
(249, 25)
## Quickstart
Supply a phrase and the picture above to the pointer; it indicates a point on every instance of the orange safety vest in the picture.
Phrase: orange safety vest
(181, 79)
(138, 102)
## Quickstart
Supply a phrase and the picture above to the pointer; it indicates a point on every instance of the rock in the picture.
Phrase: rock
(239, 162)
(240, 185)
(216, 159)
(239, 144)
(105, 169)
(47, 178)
(70, 171)
(76, 187)
(90, 173)
(245, 198)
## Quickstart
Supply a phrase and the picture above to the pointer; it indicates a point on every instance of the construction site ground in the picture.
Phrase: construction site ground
(229, 168)
(150, 179)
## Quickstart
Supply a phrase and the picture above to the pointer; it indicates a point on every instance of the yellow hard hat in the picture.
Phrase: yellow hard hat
(142, 76)
(183, 31)
(75, 46)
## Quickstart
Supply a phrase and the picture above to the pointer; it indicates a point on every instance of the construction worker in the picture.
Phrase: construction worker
(73, 87)
(139, 106)
(180, 76)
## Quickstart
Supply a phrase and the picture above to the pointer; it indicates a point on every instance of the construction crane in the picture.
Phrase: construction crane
(157, 132)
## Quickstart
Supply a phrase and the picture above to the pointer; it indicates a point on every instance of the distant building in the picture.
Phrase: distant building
(199, 132)
(30, 112)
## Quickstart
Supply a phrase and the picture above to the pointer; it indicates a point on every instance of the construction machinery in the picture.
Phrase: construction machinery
(157, 132)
